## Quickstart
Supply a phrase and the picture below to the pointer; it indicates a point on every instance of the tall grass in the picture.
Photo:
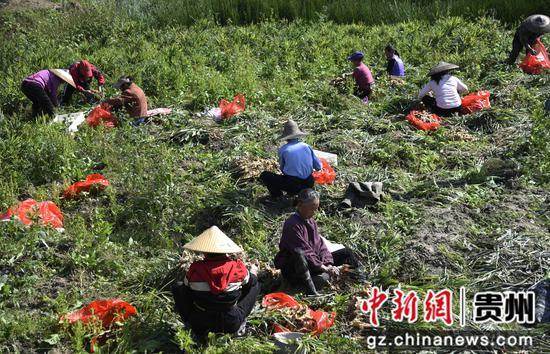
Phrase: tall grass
(225, 12)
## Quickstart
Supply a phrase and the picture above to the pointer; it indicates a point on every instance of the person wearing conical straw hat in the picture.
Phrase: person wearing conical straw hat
(41, 88)
(528, 32)
(307, 259)
(297, 162)
(218, 292)
(446, 90)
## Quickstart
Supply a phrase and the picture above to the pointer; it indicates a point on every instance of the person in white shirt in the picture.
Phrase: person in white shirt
(446, 90)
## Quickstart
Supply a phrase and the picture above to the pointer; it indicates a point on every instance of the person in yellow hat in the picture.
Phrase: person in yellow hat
(218, 292)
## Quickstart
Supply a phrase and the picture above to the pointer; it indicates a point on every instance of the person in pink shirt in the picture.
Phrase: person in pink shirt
(363, 77)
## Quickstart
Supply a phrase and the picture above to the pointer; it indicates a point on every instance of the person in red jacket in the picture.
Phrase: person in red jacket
(218, 292)
(82, 73)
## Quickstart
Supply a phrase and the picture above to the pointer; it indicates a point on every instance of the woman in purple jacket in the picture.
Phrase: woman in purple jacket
(304, 258)
(41, 89)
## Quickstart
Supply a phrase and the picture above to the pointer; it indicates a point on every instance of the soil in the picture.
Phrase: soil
(446, 230)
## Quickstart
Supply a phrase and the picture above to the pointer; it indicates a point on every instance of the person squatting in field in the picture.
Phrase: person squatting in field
(304, 256)
(82, 73)
(297, 162)
(218, 292)
(395, 67)
(362, 76)
(132, 98)
(528, 32)
(445, 88)
(41, 88)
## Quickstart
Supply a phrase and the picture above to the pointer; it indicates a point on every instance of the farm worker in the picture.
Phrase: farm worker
(131, 98)
(82, 73)
(304, 256)
(218, 292)
(41, 89)
(445, 88)
(528, 32)
(395, 68)
(297, 162)
(364, 81)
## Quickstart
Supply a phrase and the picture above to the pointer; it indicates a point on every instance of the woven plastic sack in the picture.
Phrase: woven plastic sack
(318, 320)
(230, 109)
(535, 64)
(93, 182)
(476, 101)
(414, 118)
(326, 176)
(28, 210)
(102, 114)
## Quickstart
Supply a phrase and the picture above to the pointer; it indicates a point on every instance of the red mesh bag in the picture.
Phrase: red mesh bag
(314, 321)
(102, 114)
(535, 64)
(28, 210)
(476, 101)
(414, 118)
(106, 311)
(230, 109)
(93, 182)
(326, 176)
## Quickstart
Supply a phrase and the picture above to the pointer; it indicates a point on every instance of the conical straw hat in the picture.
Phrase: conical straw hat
(538, 24)
(291, 131)
(441, 67)
(213, 240)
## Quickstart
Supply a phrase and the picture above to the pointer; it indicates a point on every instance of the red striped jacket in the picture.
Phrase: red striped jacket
(216, 280)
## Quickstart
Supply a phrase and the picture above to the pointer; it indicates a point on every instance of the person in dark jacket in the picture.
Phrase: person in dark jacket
(218, 292)
(41, 88)
(297, 162)
(82, 73)
(395, 67)
(528, 32)
(304, 256)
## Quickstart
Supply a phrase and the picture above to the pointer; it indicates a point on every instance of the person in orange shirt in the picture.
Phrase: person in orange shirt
(132, 98)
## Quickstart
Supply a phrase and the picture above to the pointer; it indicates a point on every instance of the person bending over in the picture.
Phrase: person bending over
(528, 32)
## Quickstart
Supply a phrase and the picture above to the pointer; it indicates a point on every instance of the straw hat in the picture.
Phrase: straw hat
(291, 131)
(442, 67)
(213, 240)
(538, 23)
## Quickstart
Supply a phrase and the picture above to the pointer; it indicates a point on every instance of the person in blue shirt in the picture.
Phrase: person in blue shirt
(297, 162)
(395, 67)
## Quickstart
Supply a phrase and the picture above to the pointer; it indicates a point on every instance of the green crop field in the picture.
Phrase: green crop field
(448, 219)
